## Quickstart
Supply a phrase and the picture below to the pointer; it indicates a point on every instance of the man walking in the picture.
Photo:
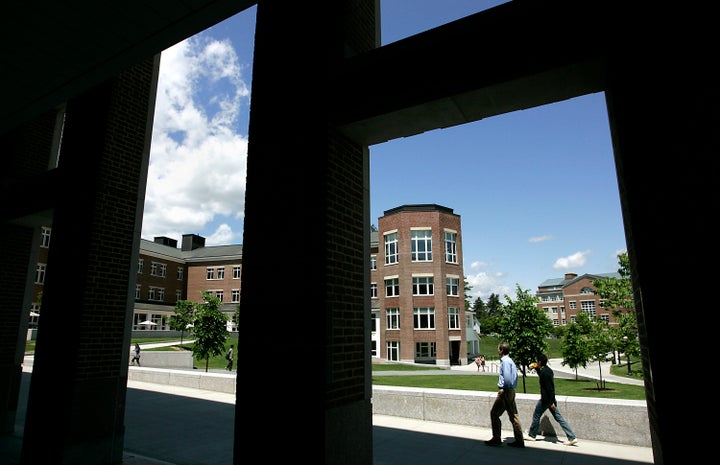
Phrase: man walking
(505, 400)
(229, 358)
(547, 401)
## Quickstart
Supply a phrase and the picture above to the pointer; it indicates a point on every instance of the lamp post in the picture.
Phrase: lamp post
(627, 354)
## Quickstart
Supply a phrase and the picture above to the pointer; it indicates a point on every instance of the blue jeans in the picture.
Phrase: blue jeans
(538, 413)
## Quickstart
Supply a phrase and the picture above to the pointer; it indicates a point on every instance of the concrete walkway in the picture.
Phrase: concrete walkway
(396, 440)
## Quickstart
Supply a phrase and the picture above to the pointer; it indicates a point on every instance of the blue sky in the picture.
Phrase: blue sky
(536, 189)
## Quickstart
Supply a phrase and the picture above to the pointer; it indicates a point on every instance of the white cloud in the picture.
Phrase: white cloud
(197, 158)
(575, 260)
(544, 238)
(484, 283)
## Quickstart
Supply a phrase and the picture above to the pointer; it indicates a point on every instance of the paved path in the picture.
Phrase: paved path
(396, 440)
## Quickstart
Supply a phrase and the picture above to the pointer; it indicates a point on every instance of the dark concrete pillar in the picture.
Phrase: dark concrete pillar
(76, 403)
(306, 211)
(27, 152)
(665, 116)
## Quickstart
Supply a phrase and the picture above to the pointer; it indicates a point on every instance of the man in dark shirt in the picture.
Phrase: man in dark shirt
(547, 402)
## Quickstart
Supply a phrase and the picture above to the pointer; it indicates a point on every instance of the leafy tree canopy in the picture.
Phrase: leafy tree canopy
(525, 327)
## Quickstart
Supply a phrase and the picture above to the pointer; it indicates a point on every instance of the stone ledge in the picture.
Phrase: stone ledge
(608, 420)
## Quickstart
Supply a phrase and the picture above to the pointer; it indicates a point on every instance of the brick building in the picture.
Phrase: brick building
(417, 286)
(166, 274)
(100, 96)
(563, 298)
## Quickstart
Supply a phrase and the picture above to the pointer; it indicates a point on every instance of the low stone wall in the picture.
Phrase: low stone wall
(164, 359)
(196, 379)
(609, 420)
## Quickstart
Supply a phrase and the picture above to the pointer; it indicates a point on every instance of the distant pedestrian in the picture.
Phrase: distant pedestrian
(136, 357)
(547, 401)
(477, 362)
(482, 362)
(505, 400)
(229, 358)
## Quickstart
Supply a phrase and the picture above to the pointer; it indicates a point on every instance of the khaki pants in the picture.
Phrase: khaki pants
(505, 402)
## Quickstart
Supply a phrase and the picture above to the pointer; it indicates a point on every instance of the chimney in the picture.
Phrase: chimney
(569, 276)
(192, 242)
(165, 241)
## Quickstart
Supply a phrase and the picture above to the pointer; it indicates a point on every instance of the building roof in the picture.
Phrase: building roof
(216, 252)
(562, 282)
(418, 207)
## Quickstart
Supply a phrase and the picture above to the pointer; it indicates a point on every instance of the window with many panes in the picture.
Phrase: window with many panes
(425, 350)
(219, 294)
(391, 247)
(158, 269)
(180, 273)
(40, 273)
(452, 285)
(392, 350)
(373, 262)
(588, 306)
(421, 245)
(393, 318)
(392, 287)
(138, 288)
(45, 239)
(451, 246)
(209, 273)
(178, 295)
(235, 295)
(573, 305)
(453, 318)
(373, 290)
(423, 285)
(236, 272)
(221, 273)
(424, 318)
(141, 265)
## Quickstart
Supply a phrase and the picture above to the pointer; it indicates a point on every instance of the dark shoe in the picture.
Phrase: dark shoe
(493, 442)
(517, 444)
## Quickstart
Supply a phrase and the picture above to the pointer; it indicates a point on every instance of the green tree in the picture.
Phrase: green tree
(493, 310)
(601, 342)
(525, 327)
(574, 346)
(210, 329)
(617, 296)
(617, 293)
(236, 316)
(626, 335)
(183, 318)
(480, 313)
(468, 296)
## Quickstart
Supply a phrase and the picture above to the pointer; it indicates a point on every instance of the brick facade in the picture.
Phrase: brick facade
(408, 343)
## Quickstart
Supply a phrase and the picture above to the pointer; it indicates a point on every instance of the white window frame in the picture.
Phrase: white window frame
(392, 286)
(451, 255)
(392, 253)
(420, 244)
(424, 318)
(452, 285)
(392, 318)
(423, 284)
(453, 318)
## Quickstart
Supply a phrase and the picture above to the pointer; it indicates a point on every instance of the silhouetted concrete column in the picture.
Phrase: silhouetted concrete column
(666, 143)
(76, 403)
(305, 247)
(27, 152)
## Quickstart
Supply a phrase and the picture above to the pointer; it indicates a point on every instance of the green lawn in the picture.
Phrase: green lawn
(479, 382)
(216, 363)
